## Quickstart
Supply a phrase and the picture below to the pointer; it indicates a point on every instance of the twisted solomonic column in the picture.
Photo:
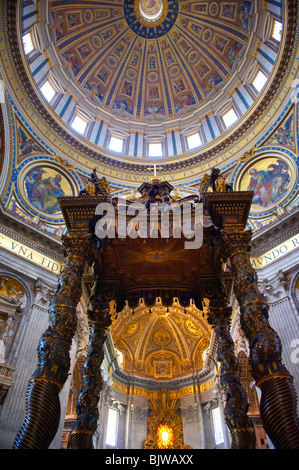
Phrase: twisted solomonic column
(278, 395)
(42, 399)
(237, 420)
(87, 406)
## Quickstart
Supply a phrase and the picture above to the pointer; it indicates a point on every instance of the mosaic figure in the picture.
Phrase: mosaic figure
(269, 184)
(27, 145)
(44, 187)
(244, 14)
(284, 133)
(71, 62)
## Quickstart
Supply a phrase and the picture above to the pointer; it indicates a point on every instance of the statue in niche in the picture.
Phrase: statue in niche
(12, 303)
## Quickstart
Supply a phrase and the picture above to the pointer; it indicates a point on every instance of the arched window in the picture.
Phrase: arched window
(217, 425)
(111, 434)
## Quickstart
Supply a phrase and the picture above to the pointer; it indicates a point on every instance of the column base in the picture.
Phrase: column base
(42, 415)
(278, 412)
(243, 438)
(80, 439)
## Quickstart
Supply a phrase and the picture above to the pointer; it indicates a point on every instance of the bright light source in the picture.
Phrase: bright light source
(229, 118)
(149, 15)
(193, 141)
(48, 91)
(277, 30)
(111, 427)
(120, 358)
(79, 124)
(259, 81)
(27, 43)
(116, 144)
(165, 436)
(155, 149)
(218, 431)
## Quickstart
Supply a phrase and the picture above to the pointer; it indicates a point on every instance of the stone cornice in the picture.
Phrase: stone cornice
(278, 232)
(32, 238)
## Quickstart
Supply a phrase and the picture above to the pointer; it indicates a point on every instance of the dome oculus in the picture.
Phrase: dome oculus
(151, 10)
(150, 18)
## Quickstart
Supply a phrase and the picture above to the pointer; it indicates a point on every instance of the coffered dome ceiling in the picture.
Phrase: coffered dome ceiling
(149, 71)
(150, 66)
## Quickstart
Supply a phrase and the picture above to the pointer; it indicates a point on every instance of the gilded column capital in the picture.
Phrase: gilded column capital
(219, 316)
(236, 242)
(78, 246)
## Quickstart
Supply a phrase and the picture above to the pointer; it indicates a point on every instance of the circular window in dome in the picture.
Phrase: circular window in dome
(151, 10)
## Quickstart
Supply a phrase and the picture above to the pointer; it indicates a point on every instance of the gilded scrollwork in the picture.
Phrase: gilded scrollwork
(165, 412)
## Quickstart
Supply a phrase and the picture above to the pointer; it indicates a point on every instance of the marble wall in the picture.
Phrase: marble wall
(22, 355)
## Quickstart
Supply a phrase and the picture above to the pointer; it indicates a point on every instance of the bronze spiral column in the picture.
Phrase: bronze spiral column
(237, 420)
(278, 395)
(42, 399)
(87, 406)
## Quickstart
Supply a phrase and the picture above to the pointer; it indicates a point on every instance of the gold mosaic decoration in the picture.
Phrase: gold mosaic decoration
(161, 343)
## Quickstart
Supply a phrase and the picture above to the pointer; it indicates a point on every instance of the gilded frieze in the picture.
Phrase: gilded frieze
(174, 394)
